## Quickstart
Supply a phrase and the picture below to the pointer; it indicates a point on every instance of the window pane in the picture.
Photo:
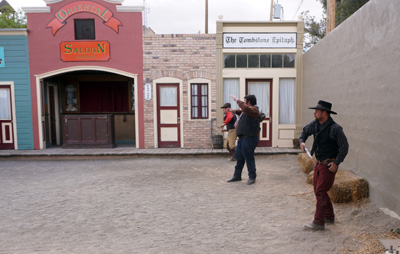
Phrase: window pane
(261, 91)
(72, 99)
(195, 101)
(195, 112)
(286, 101)
(168, 96)
(204, 90)
(204, 101)
(231, 87)
(5, 104)
(204, 112)
(84, 29)
(276, 61)
(288, 60)
(229, 61)
(241, 61)
(265, 61)
(254, 61)
(194, 89)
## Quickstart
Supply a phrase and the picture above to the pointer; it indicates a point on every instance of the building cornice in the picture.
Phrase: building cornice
(44, 9)
(15, 31)
(121, 8)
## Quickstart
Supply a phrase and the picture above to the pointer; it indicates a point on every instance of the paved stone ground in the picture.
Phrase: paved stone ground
(169, 205)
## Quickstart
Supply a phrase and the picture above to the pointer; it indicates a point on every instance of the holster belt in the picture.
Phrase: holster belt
(325, 162)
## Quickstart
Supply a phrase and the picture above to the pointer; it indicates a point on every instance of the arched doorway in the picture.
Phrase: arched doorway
(88, 108)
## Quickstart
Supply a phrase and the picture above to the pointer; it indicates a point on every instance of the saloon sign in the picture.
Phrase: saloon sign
(73, 51)
(68, 10)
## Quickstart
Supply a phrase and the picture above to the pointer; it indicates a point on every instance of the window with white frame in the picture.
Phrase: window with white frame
(286, 101)
(199, 100)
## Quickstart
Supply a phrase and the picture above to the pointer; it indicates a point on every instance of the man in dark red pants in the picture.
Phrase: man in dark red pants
(330, 147)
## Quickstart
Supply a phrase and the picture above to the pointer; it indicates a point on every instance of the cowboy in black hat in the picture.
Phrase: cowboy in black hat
(330, 148)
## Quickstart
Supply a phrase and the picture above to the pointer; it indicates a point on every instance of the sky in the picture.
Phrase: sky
(188, 16)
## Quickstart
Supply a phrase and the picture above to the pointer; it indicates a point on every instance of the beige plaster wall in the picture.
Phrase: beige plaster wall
(357, 68)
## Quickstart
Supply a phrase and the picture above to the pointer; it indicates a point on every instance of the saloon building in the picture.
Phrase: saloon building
(96, 78)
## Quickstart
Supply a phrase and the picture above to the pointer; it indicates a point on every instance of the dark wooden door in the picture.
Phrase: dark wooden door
(6, 119)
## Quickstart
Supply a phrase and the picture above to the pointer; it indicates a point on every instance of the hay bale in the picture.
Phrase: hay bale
(346, 188)
(307, 165)
(310, 178)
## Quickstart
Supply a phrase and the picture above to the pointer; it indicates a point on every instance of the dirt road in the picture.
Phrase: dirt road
(171, 205)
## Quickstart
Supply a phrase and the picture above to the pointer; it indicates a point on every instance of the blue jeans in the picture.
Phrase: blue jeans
(245, 154)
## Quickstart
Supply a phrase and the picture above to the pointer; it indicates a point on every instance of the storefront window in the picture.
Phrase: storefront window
(259, 60)
(276, 61)
(286, 101)
(231, 87)
(229, 61)
(71, 98)
(254, 61)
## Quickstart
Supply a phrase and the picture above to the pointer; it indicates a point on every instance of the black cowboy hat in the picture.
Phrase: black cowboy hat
(324, 105)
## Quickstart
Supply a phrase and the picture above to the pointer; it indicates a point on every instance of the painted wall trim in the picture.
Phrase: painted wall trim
(14, 121)
(16, 31)
(109, 1)
(44, 9)
(52, 1)
(129, 8)
(40, 77)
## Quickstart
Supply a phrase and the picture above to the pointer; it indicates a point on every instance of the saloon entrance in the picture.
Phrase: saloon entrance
(88, 109)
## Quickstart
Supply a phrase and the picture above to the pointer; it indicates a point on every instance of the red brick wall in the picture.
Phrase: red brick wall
(183, 57)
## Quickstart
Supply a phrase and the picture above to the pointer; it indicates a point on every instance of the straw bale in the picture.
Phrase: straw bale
(346, 188)
(310, 177)
(306, 164)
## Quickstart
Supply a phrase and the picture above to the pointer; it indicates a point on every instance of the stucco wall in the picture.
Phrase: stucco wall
(357, 68)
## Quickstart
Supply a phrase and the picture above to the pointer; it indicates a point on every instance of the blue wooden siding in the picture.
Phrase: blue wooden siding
(17, 70)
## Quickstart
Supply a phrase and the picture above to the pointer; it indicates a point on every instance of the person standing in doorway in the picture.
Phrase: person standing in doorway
(330, 147)
(229, 122)
(247, 130)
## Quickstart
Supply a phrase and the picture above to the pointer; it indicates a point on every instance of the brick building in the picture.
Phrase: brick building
(186, 62)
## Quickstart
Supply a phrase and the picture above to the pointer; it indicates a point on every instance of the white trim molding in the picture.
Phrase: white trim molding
(129, 8)
(44, 9)
(114, 1)
(16, 31)
(52, 1)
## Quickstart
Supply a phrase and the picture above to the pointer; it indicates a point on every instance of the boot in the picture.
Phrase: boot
(232, 152)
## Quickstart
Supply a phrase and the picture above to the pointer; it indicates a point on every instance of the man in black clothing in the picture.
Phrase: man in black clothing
(247, 130)
(330, 147)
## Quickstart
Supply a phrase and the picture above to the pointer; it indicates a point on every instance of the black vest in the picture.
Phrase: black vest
(231, 124)
(248, 126)
(323, 146)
